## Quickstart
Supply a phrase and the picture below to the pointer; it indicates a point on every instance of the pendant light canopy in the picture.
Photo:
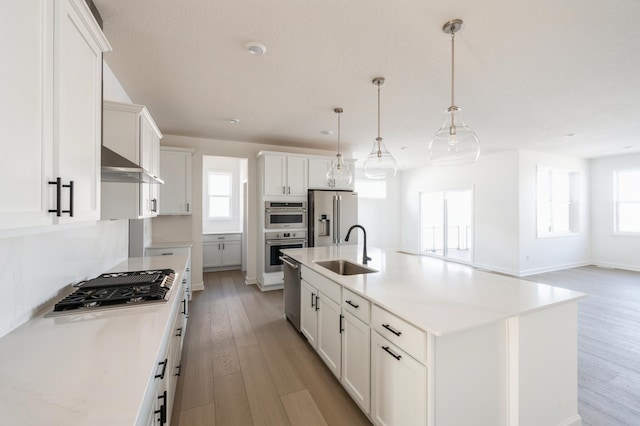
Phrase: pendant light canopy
(379, 164)
(454, 144)
(339, 173)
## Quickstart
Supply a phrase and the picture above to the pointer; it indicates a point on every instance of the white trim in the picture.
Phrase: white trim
(616, 266)
(525, 272)
(574, 420)
(198, 286)
(513, 367)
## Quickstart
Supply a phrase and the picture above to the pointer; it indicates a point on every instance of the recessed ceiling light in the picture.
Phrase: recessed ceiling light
(327, 132)
(570, 135)
(627, 146)
(233, 120)
(255, 48)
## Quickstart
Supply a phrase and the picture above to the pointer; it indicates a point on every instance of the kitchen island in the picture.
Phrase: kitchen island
(449, 344)
(92, 368)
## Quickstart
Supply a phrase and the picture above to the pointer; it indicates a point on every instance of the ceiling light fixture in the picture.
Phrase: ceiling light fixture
(233, 120)
(339, 174)
(256, 48)
(379, 164)
(454, 144)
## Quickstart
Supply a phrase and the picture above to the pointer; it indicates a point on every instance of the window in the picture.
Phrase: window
(220, 194)
(557, 196)
(626, 193)
(376, 189)
(445, 224)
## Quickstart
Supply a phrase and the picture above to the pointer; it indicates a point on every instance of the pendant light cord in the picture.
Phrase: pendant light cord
(339, 133)
(453, 37)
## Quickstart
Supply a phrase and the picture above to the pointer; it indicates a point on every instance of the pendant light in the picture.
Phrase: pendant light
(379, 164)
(454, 144)
(339, 173)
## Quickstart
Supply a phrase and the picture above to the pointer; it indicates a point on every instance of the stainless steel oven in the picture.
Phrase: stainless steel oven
(276, 241)
(282, 215)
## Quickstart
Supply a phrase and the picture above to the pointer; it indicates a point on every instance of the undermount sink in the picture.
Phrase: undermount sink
(345, 267)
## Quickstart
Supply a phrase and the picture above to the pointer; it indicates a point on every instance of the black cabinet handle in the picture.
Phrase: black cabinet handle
(179, 330)
(352, 304)
(163, 409)
(341, 318)
(184, 306)
(164, 368)
(154, 202)
(390, 352)
(391, 329)
(317, 307)
(70, 186)
(179, 367)
(312, 297)
(58, 209)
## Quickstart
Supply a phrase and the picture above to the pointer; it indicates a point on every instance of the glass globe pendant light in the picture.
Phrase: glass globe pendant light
(455, 144)
(339, 173)
(379, 164)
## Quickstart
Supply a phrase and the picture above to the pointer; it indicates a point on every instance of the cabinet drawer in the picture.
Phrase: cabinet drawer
(323, 284)
(220, 238)
(168, 251)
(357, 305)
(399, 332)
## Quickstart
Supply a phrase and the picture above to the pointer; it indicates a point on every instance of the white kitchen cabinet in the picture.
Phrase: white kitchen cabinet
(308, 313)
(398, 386)
(222, 251)
(175, 194)
(52, 127)
(130, 131)
(284, 175)
(318, 168)
(356, 361)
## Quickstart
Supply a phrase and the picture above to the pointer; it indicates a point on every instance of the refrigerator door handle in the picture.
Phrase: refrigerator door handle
(335, 219)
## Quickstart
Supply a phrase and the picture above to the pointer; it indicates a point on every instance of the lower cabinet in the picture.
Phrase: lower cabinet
(356, 362)
(398, 385)
(329, 334)
(222, 250)
(169, 250)
(308, 313)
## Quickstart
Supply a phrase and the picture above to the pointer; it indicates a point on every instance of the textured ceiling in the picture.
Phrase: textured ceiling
(527, 72)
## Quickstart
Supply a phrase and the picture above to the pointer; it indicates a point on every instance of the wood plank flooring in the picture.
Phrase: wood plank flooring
(245, 365)
(608, 342)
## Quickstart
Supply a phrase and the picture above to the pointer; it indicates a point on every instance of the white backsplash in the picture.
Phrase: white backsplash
(37, 266)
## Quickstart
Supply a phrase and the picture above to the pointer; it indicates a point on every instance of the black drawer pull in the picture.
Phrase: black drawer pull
(164, 368)
(179, 370)
(341, 329)
(58, 209)
(70, 186)
(163, 409)
(312, 298)
(353, 304)
(179, 330)
(390, 352)
(317, 307)
(391, 329)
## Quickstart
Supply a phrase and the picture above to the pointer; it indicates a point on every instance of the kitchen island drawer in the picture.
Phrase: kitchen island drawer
(324, 285)
(357, 305)
(398, 331)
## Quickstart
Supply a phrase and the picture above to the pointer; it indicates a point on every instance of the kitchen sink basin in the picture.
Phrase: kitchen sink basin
(345, 267)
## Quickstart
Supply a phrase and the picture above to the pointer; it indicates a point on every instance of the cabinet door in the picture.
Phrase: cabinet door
(146, 162)
(77, 94)
(155, 171)
(274, 174)
(329, 333)
(398, 386)
(308, 313)
(212, 254)
(25, 166)
(356, 349)
(296, 176)
(318, 168)
(175, 194)
(231, 253)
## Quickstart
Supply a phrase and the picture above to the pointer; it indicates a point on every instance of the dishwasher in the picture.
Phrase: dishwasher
(291, 290)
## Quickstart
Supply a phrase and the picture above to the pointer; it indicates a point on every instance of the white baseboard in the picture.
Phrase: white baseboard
(493, 268)
(617, 266)
(574, 420)
(197, 286)
(533, 271)
(250, 280)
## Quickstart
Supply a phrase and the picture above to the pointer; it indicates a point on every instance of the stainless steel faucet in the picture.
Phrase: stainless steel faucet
(365, 258)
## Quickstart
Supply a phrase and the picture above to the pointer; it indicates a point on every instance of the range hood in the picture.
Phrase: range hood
(116, 168)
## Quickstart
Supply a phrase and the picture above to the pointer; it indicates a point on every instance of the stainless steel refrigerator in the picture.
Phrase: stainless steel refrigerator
(331, 214)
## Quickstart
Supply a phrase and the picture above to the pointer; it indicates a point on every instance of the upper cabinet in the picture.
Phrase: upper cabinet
(285, 175)
(50, 113)
(130, 131)
(175, 194)
(318, 168)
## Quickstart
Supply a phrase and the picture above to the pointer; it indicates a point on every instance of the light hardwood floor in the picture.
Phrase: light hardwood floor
(244, 365)
(608, 342)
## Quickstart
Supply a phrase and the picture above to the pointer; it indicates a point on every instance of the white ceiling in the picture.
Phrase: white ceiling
(527, 72)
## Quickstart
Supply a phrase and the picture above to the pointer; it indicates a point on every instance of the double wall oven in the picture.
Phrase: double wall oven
(289, 218)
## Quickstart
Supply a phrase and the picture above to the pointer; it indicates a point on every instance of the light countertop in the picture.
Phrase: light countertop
(437, 296)
(169, 244)
(87, 368)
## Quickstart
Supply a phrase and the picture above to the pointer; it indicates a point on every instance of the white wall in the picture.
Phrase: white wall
(608, 249)
(178, 228)
(380, 217)
(494, 179)
(538, 255)
(228, 165)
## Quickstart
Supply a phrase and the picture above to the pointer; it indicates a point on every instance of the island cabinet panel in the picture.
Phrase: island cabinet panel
(356, 360)
(329, 334)
(400, 332)
(399, 386)
(308, 313)
(356, 305)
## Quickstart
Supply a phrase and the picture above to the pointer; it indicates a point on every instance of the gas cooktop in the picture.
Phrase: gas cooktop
(118, 289)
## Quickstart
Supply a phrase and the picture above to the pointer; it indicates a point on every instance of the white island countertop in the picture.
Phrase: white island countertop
(88, 368)
(437, 296)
